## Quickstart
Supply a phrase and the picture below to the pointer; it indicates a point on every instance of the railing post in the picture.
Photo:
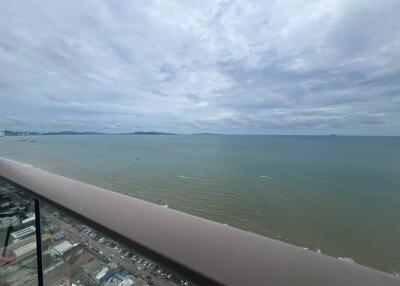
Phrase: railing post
(9, 229)
(38, 243)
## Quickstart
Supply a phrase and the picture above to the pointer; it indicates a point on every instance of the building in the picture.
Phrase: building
(90, 270)
(67, 282)
(29, 220)
(62, 248)
(25, 250)
(110, 273)
(23, 233)
(6, 222)
(126, 282)
(96, 272)
(4, 260)
(58, 236)
(73, 253)
(120, 280)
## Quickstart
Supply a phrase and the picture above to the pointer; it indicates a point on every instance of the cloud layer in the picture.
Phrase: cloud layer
(301, 67)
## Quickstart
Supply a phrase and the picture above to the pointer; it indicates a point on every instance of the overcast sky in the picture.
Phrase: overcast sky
(261, 67)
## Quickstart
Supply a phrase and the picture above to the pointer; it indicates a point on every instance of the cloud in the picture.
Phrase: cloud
(223, 66)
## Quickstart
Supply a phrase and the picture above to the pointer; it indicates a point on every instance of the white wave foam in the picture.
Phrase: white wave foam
(266, 177)
(22, 163)
(346, 259)
(165, 206)
(190, 178)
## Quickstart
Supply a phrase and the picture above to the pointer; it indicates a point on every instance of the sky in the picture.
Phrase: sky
(235, 67)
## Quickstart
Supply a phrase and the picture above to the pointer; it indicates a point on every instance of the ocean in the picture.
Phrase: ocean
(335, 194)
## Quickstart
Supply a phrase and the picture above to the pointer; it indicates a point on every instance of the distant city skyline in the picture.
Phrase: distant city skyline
(240, 67)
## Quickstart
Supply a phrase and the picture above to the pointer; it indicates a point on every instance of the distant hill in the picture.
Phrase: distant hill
(150, 133)
(19, 133)
(28, 133)
(207, 134)
(72, 133)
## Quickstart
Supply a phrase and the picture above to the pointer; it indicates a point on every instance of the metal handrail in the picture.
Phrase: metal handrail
(210, 252)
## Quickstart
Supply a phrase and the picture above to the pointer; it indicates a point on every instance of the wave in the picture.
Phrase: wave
(346, 259)
(266, 177)
(28, 165)
(190, 178)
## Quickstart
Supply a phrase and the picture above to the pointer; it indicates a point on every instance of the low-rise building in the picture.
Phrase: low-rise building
(6, 222)
(23, 233)
(62, 248)
(29, 220)
(25, 250)
(126, 282)
(58, 236)
(139, 282)
(90, 270)
(109, 274)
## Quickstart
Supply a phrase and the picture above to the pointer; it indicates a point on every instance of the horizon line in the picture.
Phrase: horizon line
(165, 133)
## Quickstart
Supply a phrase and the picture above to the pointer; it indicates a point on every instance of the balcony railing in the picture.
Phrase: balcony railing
(57, 230)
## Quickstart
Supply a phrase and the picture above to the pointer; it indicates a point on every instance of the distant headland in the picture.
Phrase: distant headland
(149, 133)
(30, 133)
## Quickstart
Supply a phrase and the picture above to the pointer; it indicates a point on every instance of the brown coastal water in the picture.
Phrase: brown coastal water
(337, 194)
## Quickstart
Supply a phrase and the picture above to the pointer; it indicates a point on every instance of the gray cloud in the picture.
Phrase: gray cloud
(299, 67)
